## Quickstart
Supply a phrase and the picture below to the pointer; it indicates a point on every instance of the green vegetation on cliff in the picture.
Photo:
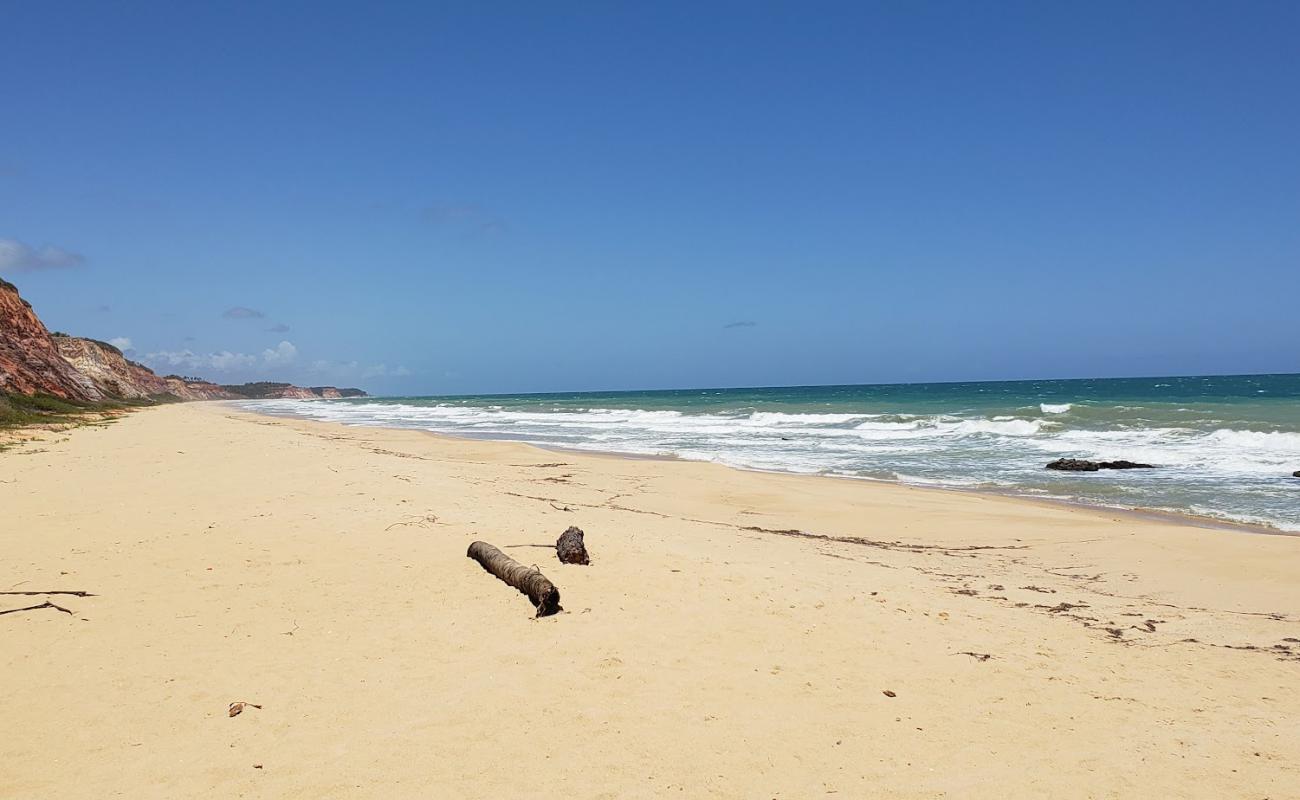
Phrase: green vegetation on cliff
(18, 410)
(258, 390)
(263, 389)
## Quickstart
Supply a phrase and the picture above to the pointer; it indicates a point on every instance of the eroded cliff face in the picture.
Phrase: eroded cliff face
(297, 393)
(109, 370)
(271, 390)
(34, 362)
(29, 361)
(197, 390)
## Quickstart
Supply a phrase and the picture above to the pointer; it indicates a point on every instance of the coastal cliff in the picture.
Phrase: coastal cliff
(196, 389)
(267, 390)
(110, 371)
(34, 361)
(29, 361)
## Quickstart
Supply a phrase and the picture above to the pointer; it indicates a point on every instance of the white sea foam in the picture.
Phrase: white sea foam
(1055, 408)
(1278, 442)
(778, 418)
(1002, 427)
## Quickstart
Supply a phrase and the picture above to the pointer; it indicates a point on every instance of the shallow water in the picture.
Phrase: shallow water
(1226, 445)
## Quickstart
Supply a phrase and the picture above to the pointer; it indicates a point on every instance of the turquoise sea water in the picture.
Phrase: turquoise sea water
(1226, 445)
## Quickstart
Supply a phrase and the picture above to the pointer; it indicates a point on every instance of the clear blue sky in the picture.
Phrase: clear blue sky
(466, 197)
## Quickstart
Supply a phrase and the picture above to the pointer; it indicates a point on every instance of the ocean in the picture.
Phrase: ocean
(1226, 446)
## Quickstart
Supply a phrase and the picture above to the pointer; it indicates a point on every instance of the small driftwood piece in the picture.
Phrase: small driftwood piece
(74, 594)
(570, 547)
(46, 604)
(528, 580)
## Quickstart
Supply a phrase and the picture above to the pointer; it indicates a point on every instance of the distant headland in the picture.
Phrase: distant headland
(35, 362)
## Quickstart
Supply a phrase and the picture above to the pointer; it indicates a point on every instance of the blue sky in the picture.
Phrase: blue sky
(475, 197)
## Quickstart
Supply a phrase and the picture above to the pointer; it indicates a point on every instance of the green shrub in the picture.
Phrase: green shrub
(17, 410)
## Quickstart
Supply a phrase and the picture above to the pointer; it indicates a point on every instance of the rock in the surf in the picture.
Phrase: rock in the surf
(1081, 465)
(1074, 465)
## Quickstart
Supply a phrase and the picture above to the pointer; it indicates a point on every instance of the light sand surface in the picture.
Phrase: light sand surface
(320, 571)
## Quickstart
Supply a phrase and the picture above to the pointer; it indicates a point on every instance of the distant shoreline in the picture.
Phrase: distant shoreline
(1151, 514)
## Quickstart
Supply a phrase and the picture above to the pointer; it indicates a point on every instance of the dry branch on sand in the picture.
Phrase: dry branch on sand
(46, 604)
(56, 591)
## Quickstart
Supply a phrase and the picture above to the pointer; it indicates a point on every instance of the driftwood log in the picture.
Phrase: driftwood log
(528, 580)
(570, 547)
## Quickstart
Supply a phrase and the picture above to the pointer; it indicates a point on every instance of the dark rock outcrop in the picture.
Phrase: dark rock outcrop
(1080, 465)
(1296, 474)
(1074, 465)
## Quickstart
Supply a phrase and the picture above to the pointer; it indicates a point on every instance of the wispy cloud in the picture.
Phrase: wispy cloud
(465, 217)
(241, 312)
(353, 370)
(122, 343)
(281, 355)
(18, 257)
(384, 371)
(278, 328)
(740, 324)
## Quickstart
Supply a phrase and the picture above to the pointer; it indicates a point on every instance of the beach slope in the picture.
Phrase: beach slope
(736, 634)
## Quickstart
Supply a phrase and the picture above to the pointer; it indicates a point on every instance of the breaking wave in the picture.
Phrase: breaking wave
(1224, 472)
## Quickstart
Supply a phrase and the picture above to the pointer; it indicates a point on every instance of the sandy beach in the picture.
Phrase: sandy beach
(737, 634)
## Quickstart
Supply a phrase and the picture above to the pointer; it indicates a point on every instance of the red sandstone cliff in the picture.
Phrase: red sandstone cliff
(109, 370)
(188, 389)
(32, 361)
(29, 361)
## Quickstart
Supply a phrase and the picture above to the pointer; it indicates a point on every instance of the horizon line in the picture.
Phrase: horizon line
(848, 385)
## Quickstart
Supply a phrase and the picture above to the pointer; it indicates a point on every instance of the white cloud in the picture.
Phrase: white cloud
(18, 257)
(224, 361)
(284, 353)
(122, 343)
